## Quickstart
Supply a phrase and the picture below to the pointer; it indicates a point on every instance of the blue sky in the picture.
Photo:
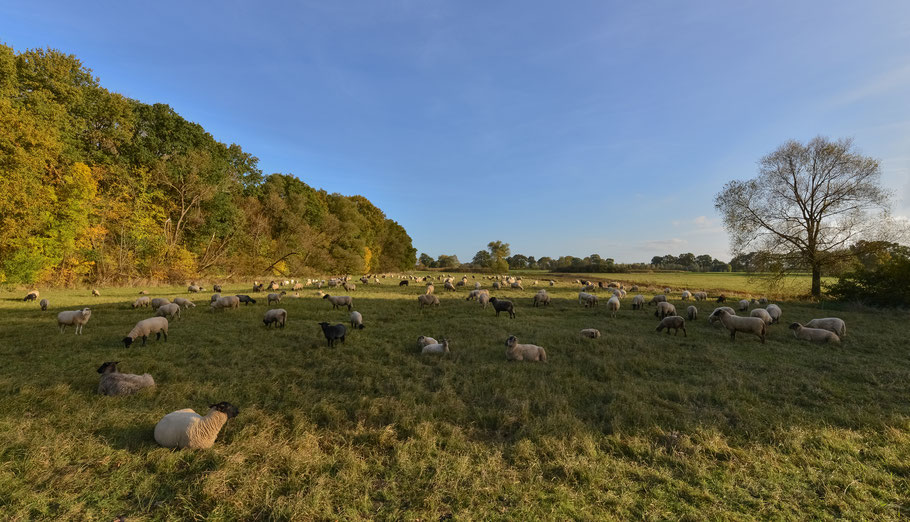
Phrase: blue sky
(563, 128)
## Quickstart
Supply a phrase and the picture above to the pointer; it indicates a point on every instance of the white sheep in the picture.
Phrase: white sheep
(193, 289)
(664, 309)
(591, 333)
(762, 314)
(142, 301)
(115, 383)
(517, 286)
(43, 304)
(442, 347)
(817, 335)
(95, 292)
(187, 429)
(76, 318)
(340, 300)
(427, 300)
(832, 324)
(170, 310)
(357, 320)
(686, 295)
(657, 299)
(692, 313)
(483, 299)
(775, 312)
(184, 303)
(700, 296)
(276, 297)
(158, 301)
(145, 328)
(675, 322)
(734, 324)
(613, 306)
(228, 301)
(638, 302)
(587, 299)
(214, 298)
(524, 352)
(743, 305)
(541, 298)
(715, 317)
(425, 341)
(447, 285)
(430, 288)
(276, 316)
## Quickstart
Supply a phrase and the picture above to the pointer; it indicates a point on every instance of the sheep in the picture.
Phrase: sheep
(143, 292)
(502, 305)
(216, 288)
(496, 285)
(365, 280)
(517, 286)
(257, 286)
(333, 333)
(818, 335)
(349, 287)
(403, 283)
(722, 299)
(667, 290)
(483, 299)
(461, 283)
(228, 301)
(115, 383)
(245, 299)
(762, 300)
(276, 316)
(700, 296)
(430, 288)
(425, 341)
(588, 288)
(142, 301)
(435, 348)
(145, 328)
(664, 309)
(448, 286)
(743, 305)
(587, 299)
(95, 292)
(186, 429)
(541, 298)
(552, 282)
(193, 289)
(619, 292)
(274, 285)
(762, 314)
(184, 303)
(158, 301)
(476, 285)
(832, 324)
(475, 294)
(691, 313)
(715, 317)
(634, 288)
(752, 325)
(76, 318)
(427, 300)
(675, 322)
(775, 312)
(276, 297)
(685, 296)
(524, 352)
(298, 286)
(43, 305)
(591, 333)
(638, 302)
(657, 299)
(613, 306)
(357, 320)
(170, 310)
(340, 300)
(31, 296)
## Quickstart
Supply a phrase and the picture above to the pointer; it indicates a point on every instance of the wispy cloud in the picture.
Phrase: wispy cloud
(885, 82)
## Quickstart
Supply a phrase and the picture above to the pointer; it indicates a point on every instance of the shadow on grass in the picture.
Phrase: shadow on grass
(129, 438)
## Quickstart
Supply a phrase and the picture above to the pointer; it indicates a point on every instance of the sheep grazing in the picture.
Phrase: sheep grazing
(276, 316)
(170, 310)
(435, 348)
(483, 299)
(115, 383)
(298, 286)
(257, 286)
(142, 301)
(476, 285)
(425, 341)
(613, 306)
(675, 322)
(816, 335)
(686, 295)
(145, 328)
(448, 286)
(357, 321)
(832, 324)
(524, 352)
(228, 301)
(475, 294)
(762, 300)
(274, 285)
(590, 333)
(245, 299)
(638, 302)
(496, 285)
(143, 292)
(700, 296)
(752, 325)
(349, 287)
(333, 333)
(762, 314)
(657, 299)
(667, 290)
(76, 318)
(664, 309)
(276, 297)
(403, 283)
(541, 298)
(186, 429)
(43, 305)
(31, 296)
(775, 312)
(586, 299)
(95, 292)
(430, 288)
(427, 300)
(183, 302)
(193, 289)
(158, 301)
(743, 305)
(501, 305)
(634, 288)
(216, 288)
(340, 300)
(715, 317)
(691, 313)
(517, 286)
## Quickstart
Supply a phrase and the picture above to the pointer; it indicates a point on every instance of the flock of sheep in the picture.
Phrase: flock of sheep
(187, 429)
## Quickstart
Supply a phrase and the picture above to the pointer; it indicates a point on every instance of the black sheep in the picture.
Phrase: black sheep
(503, 306)
(403, 283)
(333, 332)
(245, 299)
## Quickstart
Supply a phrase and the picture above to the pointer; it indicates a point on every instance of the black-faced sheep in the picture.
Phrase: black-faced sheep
(502, 305)
(145, 328)
(664, 309)
(216, 288)
(186, 429)
(115, 383)
(44, 303)
(333, 333)
(245, 299)
(31, 296)
(675, 322)
(276, 316)
(357, 321)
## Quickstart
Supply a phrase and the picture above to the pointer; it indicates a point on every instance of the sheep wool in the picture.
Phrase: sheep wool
(115, 383)
(424, 341)
(692, 313)
(752, 325)
(186, 429)
(816, 335)
(43, 305)
(524, 352)
(762, 314)
(142, 301)
(357, 320)
(228, 301)
(590, 333)
(436, 348)
(184, 303)
(276, 316)
(76, 318)
(145, 328)
(832, 324)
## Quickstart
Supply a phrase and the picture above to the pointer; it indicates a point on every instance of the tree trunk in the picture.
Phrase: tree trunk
(816, 282)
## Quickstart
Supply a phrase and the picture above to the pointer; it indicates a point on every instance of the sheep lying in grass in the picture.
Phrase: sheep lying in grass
(675, 322)
(333, 333)
(762, 314)
(664, 309)
(158, 301)
(752, 325)
(435, 348)
(31, 296)
(541, 298)
(586, 299)
(142, 301)
(613, 306)
(170, 310)
(357, 320)
(186, 429)
(425, 341)
(743, 305)
(427, 300)
(276, 298)
(182, 302)
(340, 300)
(692, 313)
(638, 302)
(245, 299)
(816, 335)
(590, 333)
(502, 305)
(115, 383)
(76, 318)
(832, 324)
(657, 299)
(145, 328)
(228, 301)
(44, 303)
(276, 316)
(524, 352)
(775, 312)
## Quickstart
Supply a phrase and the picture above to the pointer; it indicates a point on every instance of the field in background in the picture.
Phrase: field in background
(634, 425)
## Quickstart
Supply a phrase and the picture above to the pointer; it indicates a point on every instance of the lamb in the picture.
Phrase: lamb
(762, 314)
(587, 299)
(743, 305)
(638, 302)
(186, 429)
(276, 297)
(692, 313)
(501, 305)
(613, 306)
(715, 317)
(752, 325)
(832, 324)
(95, 292)
(276, 316)
(31, 296)
(517, 286)
(357, 320)
(340, 300)
(193, 289)
(142, 301)
(43, 304)
(425, 341)
(145, 328)
(333, 333)
(524, 352)
(76, 318)
(657, 299)
(427, 300)
(442, 347)
(245, 299)
(184, 303)
(158, 301)
(817, 335)
(170, 310)
(115, 383)
(591, 333)
(664, 309)
(775, 312)
(675, 322)
(228, 301)
(541, 298)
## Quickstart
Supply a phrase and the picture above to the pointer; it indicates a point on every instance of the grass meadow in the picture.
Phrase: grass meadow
(636, 424)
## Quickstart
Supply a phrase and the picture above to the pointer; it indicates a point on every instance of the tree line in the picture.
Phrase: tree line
(98, 187)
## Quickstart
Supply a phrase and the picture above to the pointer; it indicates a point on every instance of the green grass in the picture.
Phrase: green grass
(634, 425)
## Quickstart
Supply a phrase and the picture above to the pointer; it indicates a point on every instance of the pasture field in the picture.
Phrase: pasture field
(636, 424)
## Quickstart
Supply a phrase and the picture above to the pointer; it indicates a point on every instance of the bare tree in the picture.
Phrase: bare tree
(808, 203)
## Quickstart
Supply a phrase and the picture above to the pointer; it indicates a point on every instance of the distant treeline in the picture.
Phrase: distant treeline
(97, 187)
(486, 259)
